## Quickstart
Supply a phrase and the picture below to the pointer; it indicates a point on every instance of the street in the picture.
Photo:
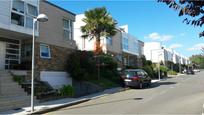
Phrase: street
(177, 95)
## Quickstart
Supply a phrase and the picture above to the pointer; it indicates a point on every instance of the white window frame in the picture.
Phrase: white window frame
(17, 11)
(70, 29)
(25, 14)
(48, 51)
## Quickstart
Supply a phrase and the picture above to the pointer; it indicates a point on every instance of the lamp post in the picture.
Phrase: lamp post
(158, 61)
(179, 64)
(40, 18)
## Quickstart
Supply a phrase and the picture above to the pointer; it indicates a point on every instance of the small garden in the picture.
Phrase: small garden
(43, 91)
(100, 69)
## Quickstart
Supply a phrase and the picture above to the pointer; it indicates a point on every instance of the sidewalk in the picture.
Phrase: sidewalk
(60, 103)
(179, 74)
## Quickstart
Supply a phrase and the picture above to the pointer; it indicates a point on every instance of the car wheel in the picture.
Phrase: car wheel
(141, 85)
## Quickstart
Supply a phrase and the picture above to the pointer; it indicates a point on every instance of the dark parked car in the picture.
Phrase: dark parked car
(136, 78)
(190, 71)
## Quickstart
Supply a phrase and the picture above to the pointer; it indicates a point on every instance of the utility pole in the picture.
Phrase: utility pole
(179, 64)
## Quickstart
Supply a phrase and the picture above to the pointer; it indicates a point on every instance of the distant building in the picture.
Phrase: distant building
(155, 52)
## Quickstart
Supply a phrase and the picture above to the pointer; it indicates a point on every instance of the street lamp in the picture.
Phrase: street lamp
(158, 60)
(40, 18)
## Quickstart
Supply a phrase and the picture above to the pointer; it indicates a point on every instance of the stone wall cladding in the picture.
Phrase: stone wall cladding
(57, 62)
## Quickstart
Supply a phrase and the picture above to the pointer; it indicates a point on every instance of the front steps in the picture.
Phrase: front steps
(12, 96)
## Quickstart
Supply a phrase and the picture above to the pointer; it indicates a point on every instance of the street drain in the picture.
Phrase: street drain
(138, 98)
(17, 109)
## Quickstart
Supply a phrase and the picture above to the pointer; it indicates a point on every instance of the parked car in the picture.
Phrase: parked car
(196, 70)
(184, 71)
(190, 71)
(137, 78)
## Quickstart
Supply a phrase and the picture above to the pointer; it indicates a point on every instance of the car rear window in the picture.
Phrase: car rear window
(129, 74)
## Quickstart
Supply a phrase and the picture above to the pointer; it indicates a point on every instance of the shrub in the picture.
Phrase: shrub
(149, 70)
(18, 78)
(163, 71)
(66, 90)
(172, 72)
(83, 66)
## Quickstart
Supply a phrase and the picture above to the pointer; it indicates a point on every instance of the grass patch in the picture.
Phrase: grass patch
(172, 72)
(18, 78)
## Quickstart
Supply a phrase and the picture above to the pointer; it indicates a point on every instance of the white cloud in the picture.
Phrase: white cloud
(174, 46)
(196, 47)
(157, 36)
(182, 34)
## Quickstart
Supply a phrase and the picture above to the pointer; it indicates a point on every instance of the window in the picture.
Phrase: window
(21, 15)
(31, 10)
(109, 41)
(31, 13)
(44, 51)
(29, 22)
(18, 6)
(125, 43)
(17, 19)
(67, 29)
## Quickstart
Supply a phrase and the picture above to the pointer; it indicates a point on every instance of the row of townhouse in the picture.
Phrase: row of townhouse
(155, 52)
(55, 40)
(124, 47)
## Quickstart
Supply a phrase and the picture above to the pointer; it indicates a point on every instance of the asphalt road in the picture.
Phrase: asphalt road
(176, 95)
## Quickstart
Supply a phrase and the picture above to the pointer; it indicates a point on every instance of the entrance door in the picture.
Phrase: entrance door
(2, 55)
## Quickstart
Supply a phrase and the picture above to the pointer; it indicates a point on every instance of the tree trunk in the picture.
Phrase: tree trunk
(98, 48)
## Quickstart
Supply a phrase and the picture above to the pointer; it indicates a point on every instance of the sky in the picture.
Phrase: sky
(147, 20)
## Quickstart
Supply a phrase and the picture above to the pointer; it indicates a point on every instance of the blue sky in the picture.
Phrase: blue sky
(147, 20)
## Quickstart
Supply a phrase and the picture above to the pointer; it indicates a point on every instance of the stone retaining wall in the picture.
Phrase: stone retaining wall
(57, 62)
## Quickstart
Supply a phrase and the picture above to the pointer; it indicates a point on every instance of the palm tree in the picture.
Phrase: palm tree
(98, 24)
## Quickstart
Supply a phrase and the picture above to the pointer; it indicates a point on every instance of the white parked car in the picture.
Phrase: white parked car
(196, 70)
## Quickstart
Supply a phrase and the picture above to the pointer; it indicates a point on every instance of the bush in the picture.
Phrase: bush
(163, 71)
(66, 90)
(149, 70)
(172, 72)
(83, 66)
(18, 78)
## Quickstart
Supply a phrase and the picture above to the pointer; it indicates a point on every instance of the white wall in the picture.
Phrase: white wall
(56, 79)
(150, 50)
(85, 44)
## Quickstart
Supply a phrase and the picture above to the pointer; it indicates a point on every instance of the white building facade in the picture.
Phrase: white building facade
(16, 23)
(155, 52)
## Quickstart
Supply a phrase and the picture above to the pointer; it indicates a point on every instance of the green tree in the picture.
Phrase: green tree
(198, 60)
(98, 24)
(193, 9)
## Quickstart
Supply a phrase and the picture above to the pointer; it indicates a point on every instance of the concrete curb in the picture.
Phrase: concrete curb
(59, 107)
